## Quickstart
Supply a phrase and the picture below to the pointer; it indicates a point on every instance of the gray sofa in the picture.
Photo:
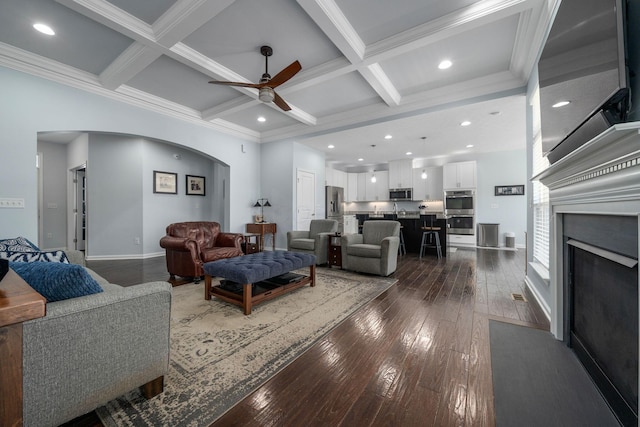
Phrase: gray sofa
(374, 251)
(87, 351)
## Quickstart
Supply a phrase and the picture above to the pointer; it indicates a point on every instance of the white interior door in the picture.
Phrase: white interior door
(306, 199)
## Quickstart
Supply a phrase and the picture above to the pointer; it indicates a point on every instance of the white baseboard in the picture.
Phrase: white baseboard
(123, 257)
(541, 302)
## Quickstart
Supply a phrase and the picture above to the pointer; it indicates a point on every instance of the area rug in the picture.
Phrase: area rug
(538, 381)
(219, 355)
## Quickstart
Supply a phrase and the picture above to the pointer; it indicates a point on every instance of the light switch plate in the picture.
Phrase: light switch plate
(12, 203)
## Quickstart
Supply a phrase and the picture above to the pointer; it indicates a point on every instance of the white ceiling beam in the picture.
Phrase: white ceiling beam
(128, 64)
(328, 16)
(531, 33)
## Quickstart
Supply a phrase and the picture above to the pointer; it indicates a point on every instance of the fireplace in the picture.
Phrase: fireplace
(601, 298)
(594, 196)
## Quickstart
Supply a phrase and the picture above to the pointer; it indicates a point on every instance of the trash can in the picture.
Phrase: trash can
(488, 235)
(510, 240)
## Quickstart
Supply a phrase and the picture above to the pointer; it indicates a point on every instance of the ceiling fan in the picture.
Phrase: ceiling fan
(267, 84)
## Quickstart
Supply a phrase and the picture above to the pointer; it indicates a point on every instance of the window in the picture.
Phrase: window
(540, 194)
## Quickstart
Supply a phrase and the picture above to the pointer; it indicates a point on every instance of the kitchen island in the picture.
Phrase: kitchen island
(411, 228)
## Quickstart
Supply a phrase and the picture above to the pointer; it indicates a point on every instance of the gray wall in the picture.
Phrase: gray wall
(29, 105)
(281, 161)
(54, 190)
(502, 168)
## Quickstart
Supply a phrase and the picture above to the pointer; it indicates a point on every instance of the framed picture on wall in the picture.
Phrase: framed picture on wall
(195, 185)
(509, 190)
(165, 182)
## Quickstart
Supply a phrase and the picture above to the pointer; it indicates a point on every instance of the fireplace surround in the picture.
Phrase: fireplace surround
(594, 192)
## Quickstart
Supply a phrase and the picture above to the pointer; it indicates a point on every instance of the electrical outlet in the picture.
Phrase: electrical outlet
(136, 240)
(49, 235)
(494, 206)
(12, 203)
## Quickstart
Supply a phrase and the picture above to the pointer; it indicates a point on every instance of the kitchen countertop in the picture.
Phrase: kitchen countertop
(400, 214)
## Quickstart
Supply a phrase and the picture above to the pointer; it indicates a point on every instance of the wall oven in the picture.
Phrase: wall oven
(461, 224)
(459, 202)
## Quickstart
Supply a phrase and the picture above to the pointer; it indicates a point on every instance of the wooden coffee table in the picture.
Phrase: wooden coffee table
(251, 273)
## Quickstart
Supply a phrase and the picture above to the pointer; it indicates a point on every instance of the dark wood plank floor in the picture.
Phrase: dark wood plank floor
(417, 355)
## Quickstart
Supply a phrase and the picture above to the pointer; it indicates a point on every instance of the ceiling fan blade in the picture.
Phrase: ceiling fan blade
(241, 84)
(280, 102)
(285, 74)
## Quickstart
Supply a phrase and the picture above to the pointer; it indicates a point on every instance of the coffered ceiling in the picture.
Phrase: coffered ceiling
(369, 67)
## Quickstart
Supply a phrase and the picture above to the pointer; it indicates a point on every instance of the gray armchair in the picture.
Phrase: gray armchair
(315, 241)
(375, 250)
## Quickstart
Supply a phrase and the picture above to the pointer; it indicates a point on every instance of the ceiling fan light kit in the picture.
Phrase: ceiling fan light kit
(266, 92)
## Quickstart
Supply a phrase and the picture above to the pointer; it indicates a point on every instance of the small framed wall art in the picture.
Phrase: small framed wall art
(509, 190)
(195, 185)
(165, 182)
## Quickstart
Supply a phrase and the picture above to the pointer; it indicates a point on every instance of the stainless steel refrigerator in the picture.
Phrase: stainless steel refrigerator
(334, 205)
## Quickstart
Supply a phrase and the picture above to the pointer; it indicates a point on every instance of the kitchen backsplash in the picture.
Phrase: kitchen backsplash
(387, 206)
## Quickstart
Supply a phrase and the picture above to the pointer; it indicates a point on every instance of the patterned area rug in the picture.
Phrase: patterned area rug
(219, 355)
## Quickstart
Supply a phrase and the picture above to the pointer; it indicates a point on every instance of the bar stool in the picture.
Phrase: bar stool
(430, 238)
(402, 250)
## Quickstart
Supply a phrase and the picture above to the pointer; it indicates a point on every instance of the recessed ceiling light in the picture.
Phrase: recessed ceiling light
(561, 104)
(409, 153)
(44, 29)
(388, 137)
(331, 146)
(445, 64)
(465, 123)
(261, 119)
(360, 159)
(470, 146)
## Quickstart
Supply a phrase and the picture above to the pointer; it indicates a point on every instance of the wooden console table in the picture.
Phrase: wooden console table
(263, 228)
(18, 303)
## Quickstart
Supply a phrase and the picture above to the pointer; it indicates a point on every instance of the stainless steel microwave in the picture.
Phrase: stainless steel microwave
(400, 194)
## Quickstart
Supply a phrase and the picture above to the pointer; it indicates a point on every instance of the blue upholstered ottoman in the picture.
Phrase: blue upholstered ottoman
(254, 268)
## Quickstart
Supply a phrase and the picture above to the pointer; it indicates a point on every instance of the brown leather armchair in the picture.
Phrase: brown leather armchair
(189, 245)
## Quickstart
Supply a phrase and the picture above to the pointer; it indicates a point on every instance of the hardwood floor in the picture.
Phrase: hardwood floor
(417, 355)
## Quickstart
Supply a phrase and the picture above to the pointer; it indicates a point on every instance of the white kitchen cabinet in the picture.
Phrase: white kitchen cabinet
(401, 174)
(340, 179)
(350, 224)
(361, 195)
(382, 185)
(379, 190)
(351, 192)
(459, 175)
(430, 188)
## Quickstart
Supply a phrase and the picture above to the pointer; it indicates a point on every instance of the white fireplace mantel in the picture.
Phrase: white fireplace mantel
(600, 177)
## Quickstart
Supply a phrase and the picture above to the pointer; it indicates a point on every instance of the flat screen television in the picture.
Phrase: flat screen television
(583, 62)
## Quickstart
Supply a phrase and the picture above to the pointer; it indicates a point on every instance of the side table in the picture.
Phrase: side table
(263, 228)
(335, 251)
(19, 302)
(251, 243)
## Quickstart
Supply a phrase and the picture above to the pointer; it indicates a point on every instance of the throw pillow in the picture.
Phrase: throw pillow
(19, 244)
(45, 256)
(57, 281)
